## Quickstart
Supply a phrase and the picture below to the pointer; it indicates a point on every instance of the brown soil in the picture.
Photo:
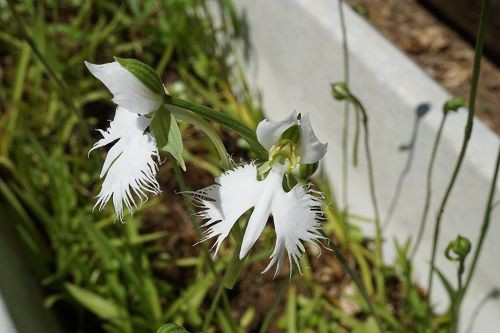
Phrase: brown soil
(437, 49)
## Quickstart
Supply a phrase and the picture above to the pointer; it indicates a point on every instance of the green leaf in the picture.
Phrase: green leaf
(452, 293)
(152, 297)
(95, 303)
(172, 328)
(167, 134)
(144, 73)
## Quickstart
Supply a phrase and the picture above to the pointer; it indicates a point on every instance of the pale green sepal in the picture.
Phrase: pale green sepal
(144, 73)
(167, 134)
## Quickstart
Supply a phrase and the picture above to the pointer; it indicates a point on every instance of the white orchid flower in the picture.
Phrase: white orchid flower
(296, 214)
(131, 164)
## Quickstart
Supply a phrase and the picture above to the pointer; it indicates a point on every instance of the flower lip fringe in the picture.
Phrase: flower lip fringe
(297, 214)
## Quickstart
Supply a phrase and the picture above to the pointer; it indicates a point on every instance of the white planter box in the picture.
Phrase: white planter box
(296, 53)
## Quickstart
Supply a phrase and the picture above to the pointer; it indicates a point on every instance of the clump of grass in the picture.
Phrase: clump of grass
(82, 257)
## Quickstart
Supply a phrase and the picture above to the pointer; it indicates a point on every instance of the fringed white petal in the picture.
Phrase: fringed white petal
(297, 214)
(131, 175)
(297, 218)
(128, 91)
(310, 149)
(131, 164)
(223, 203)
(269, 132)
(125, 123)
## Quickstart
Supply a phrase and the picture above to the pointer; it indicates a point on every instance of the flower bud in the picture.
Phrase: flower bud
(453, 104)
(458, 249)
(340, 91)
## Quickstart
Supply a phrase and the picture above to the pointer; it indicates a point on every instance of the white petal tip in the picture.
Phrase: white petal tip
(243, 253)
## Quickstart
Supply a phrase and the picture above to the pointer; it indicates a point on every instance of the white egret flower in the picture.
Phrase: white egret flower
(296, 214)
(132, 162)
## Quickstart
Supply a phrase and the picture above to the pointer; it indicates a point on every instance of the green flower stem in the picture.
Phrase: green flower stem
(355, 279)
(379, 276)
(182, 186)
(355, 145)
(486, 224)
(222, 119)
(428, 195)
(345, 126)
(201, 124)
(477, 253)
(455, 307)
(485, 10)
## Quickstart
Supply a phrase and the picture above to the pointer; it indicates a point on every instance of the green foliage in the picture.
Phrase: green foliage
(99, 270)
(172, 328)
(99, 305)
(167, 134)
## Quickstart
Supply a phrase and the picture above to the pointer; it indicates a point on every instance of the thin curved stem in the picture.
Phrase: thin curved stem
(485, 10)
(428, 195)
(345, 126)
(355, 145)
(371, 179)
(222, 119)
(484, 231)
(201, 124)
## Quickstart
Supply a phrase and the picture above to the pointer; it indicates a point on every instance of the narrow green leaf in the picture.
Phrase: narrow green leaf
(152, 297)
(223, 321)
(452, 293)
(291, 310)
(167, 134)
(144, 73)
(172, 328)
(95, 303)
